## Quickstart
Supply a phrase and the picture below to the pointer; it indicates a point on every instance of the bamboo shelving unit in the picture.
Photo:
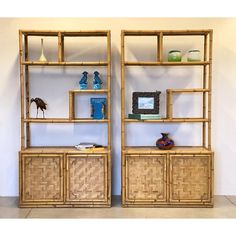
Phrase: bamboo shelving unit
(182, 176)
(63, 176)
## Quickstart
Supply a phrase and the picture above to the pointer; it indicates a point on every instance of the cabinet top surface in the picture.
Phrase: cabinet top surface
(155, 150)
(70, 150)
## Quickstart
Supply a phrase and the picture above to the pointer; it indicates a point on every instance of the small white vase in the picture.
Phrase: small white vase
(42, 56)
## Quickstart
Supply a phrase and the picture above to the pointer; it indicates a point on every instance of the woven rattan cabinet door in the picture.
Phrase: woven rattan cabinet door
(191, 178)
(145, 178)
(41, 178)
(86, 180)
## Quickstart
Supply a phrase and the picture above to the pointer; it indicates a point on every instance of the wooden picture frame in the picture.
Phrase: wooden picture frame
(145, 102)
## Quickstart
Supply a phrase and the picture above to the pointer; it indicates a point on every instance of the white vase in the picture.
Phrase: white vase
(42, 56)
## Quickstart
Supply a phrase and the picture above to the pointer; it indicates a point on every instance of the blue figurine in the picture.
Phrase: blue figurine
(84, 81)
(98, 108)
(97, 82)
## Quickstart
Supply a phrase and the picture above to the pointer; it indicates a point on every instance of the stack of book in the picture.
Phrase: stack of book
(145, 116)
(88, 146)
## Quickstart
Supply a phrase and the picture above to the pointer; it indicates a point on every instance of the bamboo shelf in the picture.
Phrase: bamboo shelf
(166, 120)
(63, 176)
(89, 91)
(165, 32)
(86, 63)
(153, 63)
(64, 120)
(182, 176)
(47, 33)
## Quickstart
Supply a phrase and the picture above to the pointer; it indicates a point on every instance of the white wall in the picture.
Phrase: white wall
(224, 85)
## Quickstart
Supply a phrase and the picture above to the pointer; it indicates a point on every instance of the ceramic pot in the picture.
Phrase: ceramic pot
(194, 55)
(174, 55)
(165, 142)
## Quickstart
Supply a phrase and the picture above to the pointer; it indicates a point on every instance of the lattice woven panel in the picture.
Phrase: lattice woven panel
(190, 178)
(86, 178)
(42, 178)
(146, 177)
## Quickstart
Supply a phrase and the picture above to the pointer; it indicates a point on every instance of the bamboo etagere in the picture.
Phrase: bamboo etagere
(63, 176)
(182, 176)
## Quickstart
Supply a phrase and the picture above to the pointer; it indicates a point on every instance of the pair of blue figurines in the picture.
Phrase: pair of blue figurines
(97, 82)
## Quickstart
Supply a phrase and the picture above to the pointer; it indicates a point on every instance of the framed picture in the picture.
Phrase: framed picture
(145, 102)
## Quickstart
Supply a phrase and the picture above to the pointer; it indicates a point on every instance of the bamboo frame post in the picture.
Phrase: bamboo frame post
(60, 50)
(27, 103)
(109, 87)
(160, 47)
(71, 105)
(204, 94)
(109, 78)
(123, 112)
(210, 88)
(22, 82)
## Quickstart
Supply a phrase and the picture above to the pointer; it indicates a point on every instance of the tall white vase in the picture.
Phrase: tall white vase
(42, 56)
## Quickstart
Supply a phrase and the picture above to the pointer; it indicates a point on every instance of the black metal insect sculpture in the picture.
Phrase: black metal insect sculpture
(40, 104)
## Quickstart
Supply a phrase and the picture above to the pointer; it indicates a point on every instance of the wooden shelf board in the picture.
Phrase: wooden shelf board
(153, 63)
(64, 33)
(55, 63)
(155, 150)
(165, 32)
(165, 120)
(103, 33)
(89, 91)
(188, 90)
(61, 149)
(64, 120)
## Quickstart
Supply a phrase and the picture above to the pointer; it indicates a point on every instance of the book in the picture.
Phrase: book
(84, 146)
(145, 116)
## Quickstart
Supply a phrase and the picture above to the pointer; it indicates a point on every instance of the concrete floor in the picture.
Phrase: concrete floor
(225, 207)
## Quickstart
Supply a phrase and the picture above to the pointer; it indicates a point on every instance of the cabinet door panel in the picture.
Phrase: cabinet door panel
(41, 177)
(145, 177)
(86, 178)
(190, 178)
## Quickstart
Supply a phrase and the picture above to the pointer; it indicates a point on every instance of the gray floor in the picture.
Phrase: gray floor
(225, 207)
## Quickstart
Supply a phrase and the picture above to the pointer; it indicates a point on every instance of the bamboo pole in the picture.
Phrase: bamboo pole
(89, 63)
(165, 63)
(48, 33)
(170, 105)
(28, 138)
(160, 47)
(108, 159)
(204, 94)
(109, 88)
(22, 81)
(169, 120)
(89, 91)
(188, 90)
(210, 88)
(64, 120)
(123, 143)
(71, 105)
(60, 47)
(165, 32)
(167, 104)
